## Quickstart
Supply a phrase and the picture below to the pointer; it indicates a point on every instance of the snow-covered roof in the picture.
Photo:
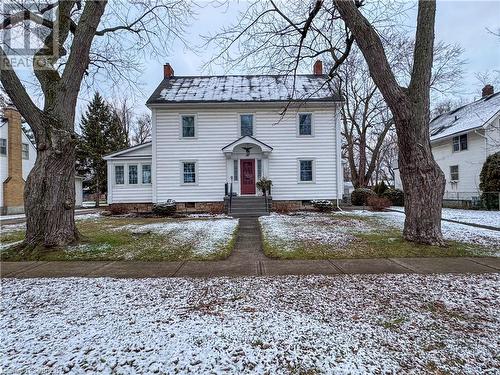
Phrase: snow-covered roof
(468, 117)
(248, 88)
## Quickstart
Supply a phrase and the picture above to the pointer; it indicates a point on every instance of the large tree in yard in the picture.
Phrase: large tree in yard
(79, 40)
(286, 36)
(101, 133)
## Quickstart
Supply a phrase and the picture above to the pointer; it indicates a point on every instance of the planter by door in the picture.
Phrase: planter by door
(247, 168)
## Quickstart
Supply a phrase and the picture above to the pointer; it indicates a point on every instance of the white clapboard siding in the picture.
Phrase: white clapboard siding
(128, 193)
(481, 143)
(217, 128)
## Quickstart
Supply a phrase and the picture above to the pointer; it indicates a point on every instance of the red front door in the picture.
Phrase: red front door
(247, 168)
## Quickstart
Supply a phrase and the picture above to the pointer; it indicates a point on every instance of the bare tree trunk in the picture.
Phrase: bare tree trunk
(423, 181)
(49, 194)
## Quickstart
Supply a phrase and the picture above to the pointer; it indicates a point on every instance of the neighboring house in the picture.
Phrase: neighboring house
(17, 157)
(461, 141)
(211, 132)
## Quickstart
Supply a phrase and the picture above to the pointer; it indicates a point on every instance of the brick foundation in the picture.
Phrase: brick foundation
(286, 206)
(210, 207)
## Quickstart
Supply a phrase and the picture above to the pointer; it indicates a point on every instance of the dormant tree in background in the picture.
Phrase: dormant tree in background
(292, 33)
(141, 131)
(82, 39)
(366, 118)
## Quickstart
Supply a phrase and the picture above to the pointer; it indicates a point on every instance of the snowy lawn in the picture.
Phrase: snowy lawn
(108, 238)
(364, 234)
(489, 218)
(406, 324)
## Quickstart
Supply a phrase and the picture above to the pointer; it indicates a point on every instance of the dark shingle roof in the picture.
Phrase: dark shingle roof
(249, 88)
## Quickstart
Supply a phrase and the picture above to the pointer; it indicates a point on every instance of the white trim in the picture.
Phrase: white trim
(153, 155)
(338, 155)
(195, 116)
(297, 125)
(111, 173)
(313, 166)
(196, 174)
(133, 148)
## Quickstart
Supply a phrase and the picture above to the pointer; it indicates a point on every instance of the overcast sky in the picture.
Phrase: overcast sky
(463, 22)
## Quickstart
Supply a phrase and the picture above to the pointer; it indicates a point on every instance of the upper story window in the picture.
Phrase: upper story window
(188, 126)
(305, 124)
(460, 143)
(3, 146)
(189, 172)
(454, 173)
(246, 125)
(146, 173)
(132, 174)
(306, 170)
(26, 151)
(119, 174)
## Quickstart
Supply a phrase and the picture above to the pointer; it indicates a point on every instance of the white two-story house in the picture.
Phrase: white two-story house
(213, 132)
(461, 141)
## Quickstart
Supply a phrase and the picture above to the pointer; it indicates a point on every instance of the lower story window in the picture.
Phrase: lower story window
(259, 169)
(132, 174)
(454, 173)
(306, 170)
(119, 175)
(146, 173)
(189, 172)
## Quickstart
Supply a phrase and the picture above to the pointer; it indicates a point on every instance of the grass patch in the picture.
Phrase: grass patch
(379, 242)
(107, 239)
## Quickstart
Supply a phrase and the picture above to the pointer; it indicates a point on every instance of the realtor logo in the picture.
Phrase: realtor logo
(28, 34)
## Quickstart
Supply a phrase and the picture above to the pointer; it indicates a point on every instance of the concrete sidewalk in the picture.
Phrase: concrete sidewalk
(247, 266)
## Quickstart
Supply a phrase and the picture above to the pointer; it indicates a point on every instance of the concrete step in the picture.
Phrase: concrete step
(249, 215)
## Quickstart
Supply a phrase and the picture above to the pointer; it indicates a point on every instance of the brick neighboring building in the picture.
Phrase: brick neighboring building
(17, 157)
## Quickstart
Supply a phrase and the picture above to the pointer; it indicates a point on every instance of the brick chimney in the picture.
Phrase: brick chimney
(168, 71)
(488, 90)
(13, 186)
(318, 68)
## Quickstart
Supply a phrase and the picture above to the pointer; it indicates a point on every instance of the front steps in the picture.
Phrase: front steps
(247, 206)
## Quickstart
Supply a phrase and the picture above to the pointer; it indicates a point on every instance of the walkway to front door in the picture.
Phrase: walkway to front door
(247, 168)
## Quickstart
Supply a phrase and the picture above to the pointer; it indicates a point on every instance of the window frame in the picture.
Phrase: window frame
(3, 140)
(236, 170)
(136, 165)
(27, 151)
(457, 142)
(196, 175)
(181, 125)
(313, 171)
(260, 170)
(457, 173)
(114, 172)
(298, 125)
(240, 115)
(150, 174)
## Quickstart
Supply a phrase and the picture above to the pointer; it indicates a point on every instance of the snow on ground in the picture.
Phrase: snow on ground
(451, 231)
(323, 229)
(353, 324)
(206, 236)
(490, 218)
(5, 228)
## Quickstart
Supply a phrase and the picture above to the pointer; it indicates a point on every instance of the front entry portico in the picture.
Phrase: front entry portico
(247, 160)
